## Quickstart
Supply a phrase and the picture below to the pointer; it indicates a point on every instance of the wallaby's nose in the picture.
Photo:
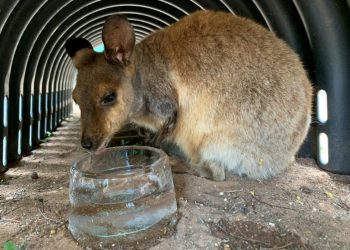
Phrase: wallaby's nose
(86, 143)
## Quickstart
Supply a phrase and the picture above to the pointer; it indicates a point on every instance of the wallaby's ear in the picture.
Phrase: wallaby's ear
(80, 50)
(74, 44)
(119, 39)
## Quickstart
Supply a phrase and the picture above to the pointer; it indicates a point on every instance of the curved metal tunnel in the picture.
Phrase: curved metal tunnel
(37, 76)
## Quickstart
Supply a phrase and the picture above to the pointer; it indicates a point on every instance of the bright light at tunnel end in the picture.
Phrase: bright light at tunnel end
(99, 48)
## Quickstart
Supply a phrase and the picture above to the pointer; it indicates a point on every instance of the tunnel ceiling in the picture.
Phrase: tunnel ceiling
(37, 76)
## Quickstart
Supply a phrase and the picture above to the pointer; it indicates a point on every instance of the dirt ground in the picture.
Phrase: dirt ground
(303, 208)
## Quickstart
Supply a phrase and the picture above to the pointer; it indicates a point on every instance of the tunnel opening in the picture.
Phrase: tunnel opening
(100, 48)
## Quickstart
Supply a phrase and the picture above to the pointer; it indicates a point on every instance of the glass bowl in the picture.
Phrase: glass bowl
(119, 193)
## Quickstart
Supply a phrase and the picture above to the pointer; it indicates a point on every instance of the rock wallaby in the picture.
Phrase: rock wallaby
(229, 93)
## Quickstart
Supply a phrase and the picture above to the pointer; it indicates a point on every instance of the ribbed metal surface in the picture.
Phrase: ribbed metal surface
(37, 77)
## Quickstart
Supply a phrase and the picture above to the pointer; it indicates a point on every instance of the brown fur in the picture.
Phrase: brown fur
(228, 92)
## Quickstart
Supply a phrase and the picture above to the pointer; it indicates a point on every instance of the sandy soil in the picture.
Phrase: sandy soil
(303, 208)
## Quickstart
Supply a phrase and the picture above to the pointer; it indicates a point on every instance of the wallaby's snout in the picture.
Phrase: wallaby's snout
(86, 143)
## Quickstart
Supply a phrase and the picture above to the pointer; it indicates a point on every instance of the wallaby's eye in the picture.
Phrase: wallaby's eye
(109, 99)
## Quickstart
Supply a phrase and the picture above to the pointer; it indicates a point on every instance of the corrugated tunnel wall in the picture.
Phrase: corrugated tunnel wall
(37, 77)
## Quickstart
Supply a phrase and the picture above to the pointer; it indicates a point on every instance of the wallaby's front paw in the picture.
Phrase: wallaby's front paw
(213, 170)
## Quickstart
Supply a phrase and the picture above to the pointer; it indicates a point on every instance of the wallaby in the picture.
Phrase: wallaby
(229, 93)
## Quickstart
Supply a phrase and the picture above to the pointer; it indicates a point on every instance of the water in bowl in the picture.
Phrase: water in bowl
(121, 193)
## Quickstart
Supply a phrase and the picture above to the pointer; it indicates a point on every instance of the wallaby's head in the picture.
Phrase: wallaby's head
(104, 90)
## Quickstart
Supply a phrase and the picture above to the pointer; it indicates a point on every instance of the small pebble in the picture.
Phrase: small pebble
(227, 247)
(130, 205)
(34, 175)
(53, 231)
(305, 190)
(221, 193)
